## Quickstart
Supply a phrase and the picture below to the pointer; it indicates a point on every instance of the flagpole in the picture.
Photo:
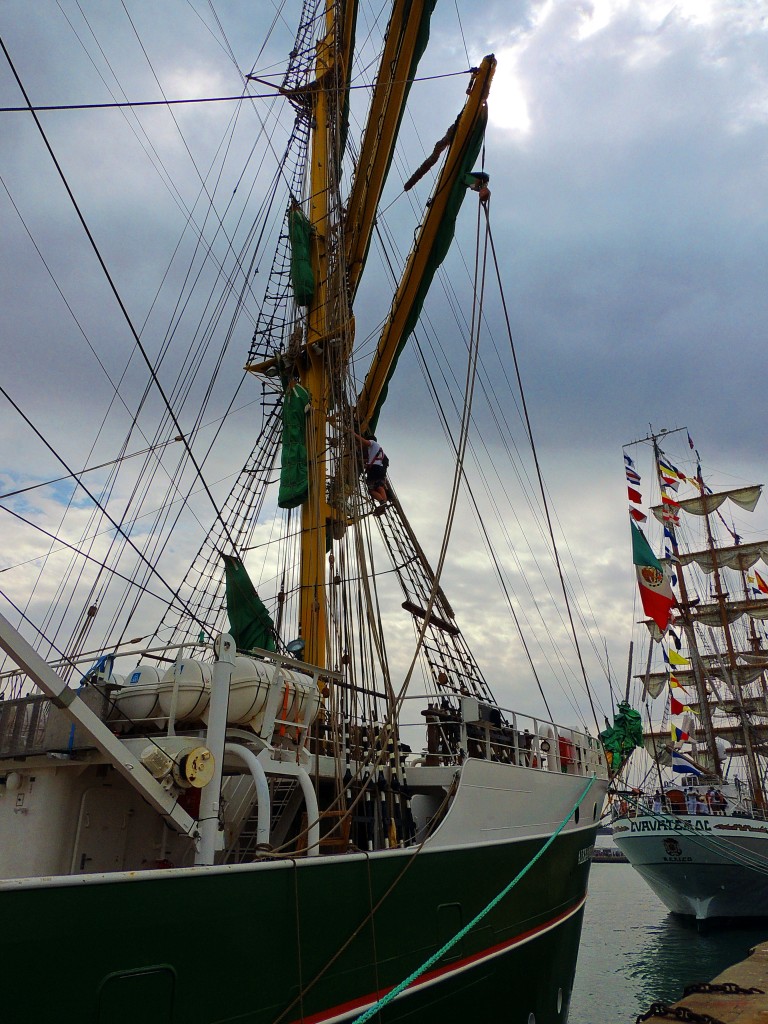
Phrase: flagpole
(655, 748)
(629, 670)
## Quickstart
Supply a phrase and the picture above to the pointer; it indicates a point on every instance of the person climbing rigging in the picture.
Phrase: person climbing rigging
(376, 463)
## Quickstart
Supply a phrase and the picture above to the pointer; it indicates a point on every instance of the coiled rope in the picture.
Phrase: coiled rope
(395, 992)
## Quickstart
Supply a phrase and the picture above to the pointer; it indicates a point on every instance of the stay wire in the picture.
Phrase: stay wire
(95, 500)
(452, 441)
(447, 946)
(534, 452)
(116, 293)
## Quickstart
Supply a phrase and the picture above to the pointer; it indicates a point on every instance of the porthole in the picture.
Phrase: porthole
(559, 1000)
(576, 816)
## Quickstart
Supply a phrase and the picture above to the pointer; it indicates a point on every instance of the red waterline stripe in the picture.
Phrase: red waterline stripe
(363, 1002)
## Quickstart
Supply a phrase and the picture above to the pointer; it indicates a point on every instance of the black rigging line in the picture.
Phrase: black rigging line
(116, 293)
(534, 452)
(473, 499)
(209, 195)
(226, 46)
(461, 30)
(72, 547)
(88, 469)
(30, 109)
(115, 104)
(96, 502)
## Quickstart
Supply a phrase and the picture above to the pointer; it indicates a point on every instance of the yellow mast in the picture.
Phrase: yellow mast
(406, 32)
(332, 63)
(421, 253)
(337, 239)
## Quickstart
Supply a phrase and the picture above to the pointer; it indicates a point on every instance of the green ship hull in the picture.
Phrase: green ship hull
(314, 940)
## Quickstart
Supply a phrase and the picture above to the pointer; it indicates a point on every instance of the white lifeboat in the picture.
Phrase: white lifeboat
(248, 692)
(263, 696)
(191, 680)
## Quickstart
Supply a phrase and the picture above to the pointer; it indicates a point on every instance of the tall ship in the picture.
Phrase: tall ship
(694, 825)
(277, 786)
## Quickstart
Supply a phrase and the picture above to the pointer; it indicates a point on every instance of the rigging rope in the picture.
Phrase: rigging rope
(466, 418)
(532, 443)
(113, 287)
(395, 992)
(95, 500)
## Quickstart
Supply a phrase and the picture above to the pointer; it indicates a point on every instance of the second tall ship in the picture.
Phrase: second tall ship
(698, 835)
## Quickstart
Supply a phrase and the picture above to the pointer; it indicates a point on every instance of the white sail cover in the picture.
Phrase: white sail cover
(737, 556)
(654, 683)
(709, 614)
(703, 504)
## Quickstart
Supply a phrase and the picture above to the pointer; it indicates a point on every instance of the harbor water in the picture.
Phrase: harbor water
(633, 952)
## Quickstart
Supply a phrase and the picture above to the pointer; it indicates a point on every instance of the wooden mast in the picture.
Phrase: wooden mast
(407, 23)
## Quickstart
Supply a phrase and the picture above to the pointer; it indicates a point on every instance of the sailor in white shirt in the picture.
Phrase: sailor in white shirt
(376, 463)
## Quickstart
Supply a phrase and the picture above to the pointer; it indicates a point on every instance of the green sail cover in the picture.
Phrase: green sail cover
(294, 475)
(345, 105)
(302, 277)
(249, 621)
(422, 38)
(621, 739)
(442, 244)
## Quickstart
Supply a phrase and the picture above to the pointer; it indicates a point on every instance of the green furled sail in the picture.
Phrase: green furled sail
(440, 247)
(620, 739)
(250, 623)
(294, 475)
(422, 39)
(302, 276)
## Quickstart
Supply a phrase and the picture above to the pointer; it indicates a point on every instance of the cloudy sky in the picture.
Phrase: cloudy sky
(627, 152)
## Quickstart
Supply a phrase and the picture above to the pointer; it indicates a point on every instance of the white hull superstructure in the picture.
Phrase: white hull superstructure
(702, 866)
(700, 836)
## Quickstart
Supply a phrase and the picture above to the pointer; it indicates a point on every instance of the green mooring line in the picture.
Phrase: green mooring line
(395, 992)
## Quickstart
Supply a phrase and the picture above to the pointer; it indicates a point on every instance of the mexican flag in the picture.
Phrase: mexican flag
(655, 589)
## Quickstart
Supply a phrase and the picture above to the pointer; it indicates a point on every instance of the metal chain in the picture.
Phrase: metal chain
(685, 1014)
(727, 986)
(677, 1013)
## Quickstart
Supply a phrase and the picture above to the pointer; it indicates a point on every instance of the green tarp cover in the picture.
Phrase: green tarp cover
(345, 106)
(621, 739)
(294, 476)
(249, 621)
(422, 38)
(442, 244)
(302, 278)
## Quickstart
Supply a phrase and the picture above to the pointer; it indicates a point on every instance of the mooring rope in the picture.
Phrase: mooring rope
(395, 992)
